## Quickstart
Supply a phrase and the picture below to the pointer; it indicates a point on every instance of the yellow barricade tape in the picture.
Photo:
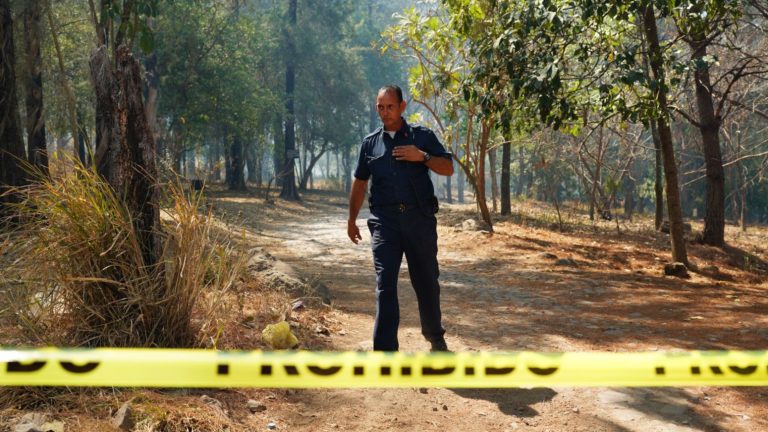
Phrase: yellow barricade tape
(303, 369)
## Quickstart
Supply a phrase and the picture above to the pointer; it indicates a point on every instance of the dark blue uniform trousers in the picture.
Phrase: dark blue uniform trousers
(413, 233)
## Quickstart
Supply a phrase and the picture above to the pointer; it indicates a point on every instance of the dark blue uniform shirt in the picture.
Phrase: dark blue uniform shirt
(398, 182)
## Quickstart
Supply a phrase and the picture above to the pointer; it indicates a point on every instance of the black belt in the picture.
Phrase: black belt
(398, 207)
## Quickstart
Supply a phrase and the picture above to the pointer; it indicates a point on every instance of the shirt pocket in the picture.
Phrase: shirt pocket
(377, 164)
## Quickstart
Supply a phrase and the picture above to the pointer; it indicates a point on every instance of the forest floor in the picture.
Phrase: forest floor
(527, 286)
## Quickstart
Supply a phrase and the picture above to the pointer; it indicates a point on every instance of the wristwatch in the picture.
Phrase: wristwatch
(427, 157)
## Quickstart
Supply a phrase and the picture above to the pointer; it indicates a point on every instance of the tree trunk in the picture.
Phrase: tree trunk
(658, 164)
(261, 162)
(216, 160)
(191, 163)
(184, 171)
(521, 172)
(11, 139)
(659, 179)
(210, 162)
(125, 153)
(448, 190)
(227, 146)
(460, 186)
(506, 187)
(310, 165)
(289, 191)
(251, 160)
(480, 175)
(340, 169)
(709, 127)
(473, 165)
(236, 181)
(494, 181)
(278, 148)
(596, 180)
(630, 187)
(327, 172)
(346, 173)
(302, 160)
(37, 150)
(674, 208)
(83, 147)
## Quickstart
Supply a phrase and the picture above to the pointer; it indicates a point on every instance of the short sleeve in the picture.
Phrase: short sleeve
(434, 147)
(361, 171)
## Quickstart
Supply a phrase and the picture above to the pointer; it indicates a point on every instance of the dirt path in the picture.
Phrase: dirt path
(503, 293)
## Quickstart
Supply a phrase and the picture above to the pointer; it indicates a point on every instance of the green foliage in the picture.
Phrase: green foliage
(522, 66)
(76, 38)
(215, 70)
(222, 72)
(130, 19)
(439, 62)
(555, 59)
(329, 98)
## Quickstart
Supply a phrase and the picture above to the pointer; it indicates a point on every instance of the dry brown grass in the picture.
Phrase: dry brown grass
(78, 277)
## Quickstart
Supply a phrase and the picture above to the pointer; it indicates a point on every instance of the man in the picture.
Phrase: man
(397, 158)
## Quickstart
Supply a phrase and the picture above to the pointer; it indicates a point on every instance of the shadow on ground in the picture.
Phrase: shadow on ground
(513, 402)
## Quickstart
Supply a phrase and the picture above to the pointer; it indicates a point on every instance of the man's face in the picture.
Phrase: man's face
(389, 109)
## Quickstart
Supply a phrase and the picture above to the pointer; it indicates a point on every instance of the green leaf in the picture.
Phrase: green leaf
(433, 23)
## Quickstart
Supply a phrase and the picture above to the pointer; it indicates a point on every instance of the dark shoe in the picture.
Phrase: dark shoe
(439, 346)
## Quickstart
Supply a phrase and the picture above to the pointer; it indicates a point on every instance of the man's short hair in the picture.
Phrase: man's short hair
(393, 88)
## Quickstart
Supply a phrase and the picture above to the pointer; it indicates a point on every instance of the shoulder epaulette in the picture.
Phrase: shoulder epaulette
(421, 128)
(374, 133)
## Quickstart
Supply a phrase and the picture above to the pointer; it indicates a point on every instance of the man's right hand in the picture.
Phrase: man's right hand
(356, 197)
(353, 232)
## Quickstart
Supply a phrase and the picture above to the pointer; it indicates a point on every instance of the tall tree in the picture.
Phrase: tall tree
(674, 207)
(36, 144)
(11, 140)
(289, 190)
(709, 127)
(701, 24)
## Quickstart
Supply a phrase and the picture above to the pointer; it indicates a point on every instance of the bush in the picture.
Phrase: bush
(79, 278)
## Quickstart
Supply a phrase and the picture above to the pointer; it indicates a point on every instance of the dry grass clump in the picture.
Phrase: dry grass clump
(79, 278)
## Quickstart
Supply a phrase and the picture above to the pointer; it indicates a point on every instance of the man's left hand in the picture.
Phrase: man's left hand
(409, 153)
